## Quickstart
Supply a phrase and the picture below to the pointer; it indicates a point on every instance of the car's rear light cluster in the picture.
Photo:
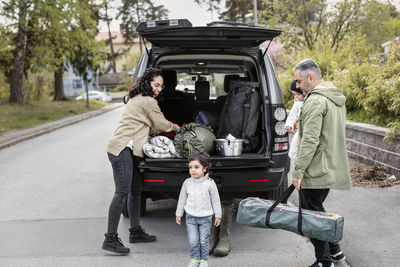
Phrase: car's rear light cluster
(258, 180)
(281, 146)
(281, 140)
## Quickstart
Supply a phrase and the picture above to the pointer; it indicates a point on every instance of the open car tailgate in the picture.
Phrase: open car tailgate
(216, 35)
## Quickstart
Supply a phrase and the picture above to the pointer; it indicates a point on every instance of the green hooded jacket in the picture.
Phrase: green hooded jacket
(321, 160)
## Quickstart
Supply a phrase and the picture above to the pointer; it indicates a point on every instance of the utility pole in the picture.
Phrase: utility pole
(255, 12)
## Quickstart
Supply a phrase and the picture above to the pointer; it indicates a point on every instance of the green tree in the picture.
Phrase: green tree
(379, 22)
(6, 50)
(88, 54)
(343, 20)
(69, 24)
(307, 21)
(46, 36)
(213, 5)
(134, 11)
(236, 10)
(20, 13)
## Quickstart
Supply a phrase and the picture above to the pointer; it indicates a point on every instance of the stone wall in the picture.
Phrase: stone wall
(365, 144)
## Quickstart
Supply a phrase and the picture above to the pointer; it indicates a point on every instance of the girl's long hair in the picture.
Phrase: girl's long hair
(142, 84)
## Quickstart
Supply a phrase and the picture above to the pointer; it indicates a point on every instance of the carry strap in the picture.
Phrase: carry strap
(283, 197)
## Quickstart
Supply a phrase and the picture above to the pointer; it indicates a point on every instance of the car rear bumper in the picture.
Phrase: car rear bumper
(246, 180)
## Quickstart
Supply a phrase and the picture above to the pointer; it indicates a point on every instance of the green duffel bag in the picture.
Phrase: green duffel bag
(263, 213)
(192, 138)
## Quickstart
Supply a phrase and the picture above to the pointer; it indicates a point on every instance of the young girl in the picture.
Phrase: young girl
(141, 116)
(200, 200)
(293, 117)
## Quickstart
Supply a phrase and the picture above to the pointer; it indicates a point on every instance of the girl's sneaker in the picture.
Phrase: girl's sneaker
(193, 263)
(203, 263)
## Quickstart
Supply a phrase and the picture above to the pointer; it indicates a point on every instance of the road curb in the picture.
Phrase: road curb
(9, 139)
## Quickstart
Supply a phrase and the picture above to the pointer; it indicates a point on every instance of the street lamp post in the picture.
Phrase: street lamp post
(255, 12)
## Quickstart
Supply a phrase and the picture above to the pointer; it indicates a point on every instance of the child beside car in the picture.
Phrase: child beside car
(290, 125)
(199, 198)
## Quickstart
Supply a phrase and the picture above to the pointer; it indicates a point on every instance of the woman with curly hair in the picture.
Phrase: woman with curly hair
(141, 116)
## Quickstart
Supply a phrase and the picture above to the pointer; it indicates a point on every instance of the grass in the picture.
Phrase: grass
(20, 116)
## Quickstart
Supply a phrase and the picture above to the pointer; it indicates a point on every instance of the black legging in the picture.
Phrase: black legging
(127, 183)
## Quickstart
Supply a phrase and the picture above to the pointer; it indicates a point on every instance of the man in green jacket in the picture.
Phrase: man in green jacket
(321, 162)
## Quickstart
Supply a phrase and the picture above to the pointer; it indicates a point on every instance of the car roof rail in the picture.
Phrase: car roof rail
(230, 23)
(163, 24)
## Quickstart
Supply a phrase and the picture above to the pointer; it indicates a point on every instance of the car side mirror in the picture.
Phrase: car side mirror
(125, 99)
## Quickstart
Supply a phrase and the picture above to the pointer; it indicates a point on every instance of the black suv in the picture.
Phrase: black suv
(197, 65)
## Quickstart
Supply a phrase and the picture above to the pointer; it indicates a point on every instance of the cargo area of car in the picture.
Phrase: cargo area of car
(200, 83)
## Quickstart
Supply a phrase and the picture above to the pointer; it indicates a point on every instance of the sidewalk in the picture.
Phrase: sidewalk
(15, 137)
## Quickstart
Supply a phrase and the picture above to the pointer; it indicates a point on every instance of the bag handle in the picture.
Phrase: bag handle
(283, 197)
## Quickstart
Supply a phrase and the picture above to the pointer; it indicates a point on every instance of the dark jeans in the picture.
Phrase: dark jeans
(127, 186)
(323, 249)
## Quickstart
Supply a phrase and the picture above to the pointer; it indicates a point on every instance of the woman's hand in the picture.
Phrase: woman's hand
(296, 126)
(178, 220)
(217, 222)
(177, 127)
(288, 128)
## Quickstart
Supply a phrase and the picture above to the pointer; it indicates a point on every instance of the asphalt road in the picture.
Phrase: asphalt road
(54, 195)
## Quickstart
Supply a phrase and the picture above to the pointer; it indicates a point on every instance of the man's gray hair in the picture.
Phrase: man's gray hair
(308, 65)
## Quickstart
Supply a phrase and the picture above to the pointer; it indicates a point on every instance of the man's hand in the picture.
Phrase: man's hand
(178, 220)
(296, 182)
(288, 128)
(217, 222)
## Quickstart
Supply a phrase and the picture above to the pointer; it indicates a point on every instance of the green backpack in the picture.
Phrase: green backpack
(192, 138)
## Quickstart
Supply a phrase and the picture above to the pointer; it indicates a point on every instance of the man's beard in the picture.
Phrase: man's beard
(307, 86)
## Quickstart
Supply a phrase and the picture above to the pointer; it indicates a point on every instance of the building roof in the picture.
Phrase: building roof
(391, 41)
(111, 79)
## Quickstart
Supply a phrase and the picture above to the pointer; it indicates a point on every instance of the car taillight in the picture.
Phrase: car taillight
(258, 180)
(281, 147)
(154, 180)
(281, 140)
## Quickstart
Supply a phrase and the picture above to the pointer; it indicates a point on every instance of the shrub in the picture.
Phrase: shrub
(122, 88)
(372, 88)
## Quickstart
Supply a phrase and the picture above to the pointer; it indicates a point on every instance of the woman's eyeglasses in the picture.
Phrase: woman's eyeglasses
(159, 86)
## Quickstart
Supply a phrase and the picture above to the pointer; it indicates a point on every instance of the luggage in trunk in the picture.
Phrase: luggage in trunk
(192, 138)
(262, 213)
(240, 114)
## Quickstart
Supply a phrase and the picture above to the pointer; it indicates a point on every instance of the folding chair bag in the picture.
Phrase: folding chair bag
(263, 213)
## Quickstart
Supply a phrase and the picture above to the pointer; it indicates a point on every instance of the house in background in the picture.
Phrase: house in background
(392, 45)
(74, 85)
(109, 81)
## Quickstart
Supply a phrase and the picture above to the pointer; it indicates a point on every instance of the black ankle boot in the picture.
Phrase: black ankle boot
(137, 235)
(113, 243)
